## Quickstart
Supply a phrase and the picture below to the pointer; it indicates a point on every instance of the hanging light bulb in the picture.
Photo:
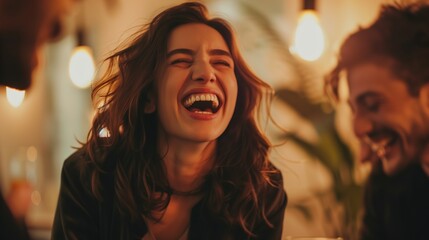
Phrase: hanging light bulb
(82, 66)
(309, 41)
(14, 96)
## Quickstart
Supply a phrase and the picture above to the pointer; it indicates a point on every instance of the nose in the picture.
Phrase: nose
(203, 71)
(362, 125)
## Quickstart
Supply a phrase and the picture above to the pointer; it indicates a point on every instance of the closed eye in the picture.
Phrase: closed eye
(181, 62)
(221, 62)
(224, 63)
(370, 102)
(371, 105)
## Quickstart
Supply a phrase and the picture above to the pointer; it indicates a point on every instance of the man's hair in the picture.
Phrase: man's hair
(241, 171)
(398, 39)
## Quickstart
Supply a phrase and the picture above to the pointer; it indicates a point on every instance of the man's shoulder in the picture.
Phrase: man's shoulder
(412, 177)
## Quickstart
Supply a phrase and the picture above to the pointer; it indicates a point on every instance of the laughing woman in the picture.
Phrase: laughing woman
(182, 156)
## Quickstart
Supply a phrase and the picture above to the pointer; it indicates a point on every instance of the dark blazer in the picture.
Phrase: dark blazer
(396, 207)
(79, 215)
(11, 228)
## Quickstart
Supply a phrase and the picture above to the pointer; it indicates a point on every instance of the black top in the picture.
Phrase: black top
(80, 216)
(11, 228)
(396, 207)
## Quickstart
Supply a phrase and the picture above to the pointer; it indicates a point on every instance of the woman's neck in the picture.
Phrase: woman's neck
(186, 162)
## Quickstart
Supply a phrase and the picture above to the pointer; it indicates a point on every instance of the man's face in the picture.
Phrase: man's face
(197, 92)
(390, 123)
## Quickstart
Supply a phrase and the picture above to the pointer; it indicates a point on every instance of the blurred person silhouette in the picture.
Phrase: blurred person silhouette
(387, 70)
(25, 25)
(175, 151)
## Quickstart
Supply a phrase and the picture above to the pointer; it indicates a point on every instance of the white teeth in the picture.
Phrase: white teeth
(375, 146)
(202, 97)
(379, 148)
(203, 112)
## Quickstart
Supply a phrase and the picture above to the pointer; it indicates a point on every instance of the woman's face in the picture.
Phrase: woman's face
(197, 92)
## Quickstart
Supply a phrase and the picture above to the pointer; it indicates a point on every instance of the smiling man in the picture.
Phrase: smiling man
(387, 71)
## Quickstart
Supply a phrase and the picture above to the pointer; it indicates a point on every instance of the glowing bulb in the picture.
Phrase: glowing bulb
(14, 96)
(82, 67)
(309, 41)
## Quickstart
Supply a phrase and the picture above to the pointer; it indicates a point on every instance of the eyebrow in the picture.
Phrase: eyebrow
(212, 52)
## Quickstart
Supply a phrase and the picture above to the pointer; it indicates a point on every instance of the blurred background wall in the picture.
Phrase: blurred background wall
(321, 176)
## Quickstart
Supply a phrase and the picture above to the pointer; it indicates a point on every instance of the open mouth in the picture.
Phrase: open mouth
(381, 141)
(205, 103)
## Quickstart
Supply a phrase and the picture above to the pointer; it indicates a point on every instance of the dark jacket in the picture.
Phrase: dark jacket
(80, 216)
(396, 207)
(11, 228)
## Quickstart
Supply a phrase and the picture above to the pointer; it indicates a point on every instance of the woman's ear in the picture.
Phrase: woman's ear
(150, 104)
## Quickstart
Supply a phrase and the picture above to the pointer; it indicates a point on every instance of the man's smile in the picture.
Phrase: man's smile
(382, 142)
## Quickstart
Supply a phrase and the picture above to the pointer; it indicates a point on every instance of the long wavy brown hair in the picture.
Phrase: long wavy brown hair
(241, 172)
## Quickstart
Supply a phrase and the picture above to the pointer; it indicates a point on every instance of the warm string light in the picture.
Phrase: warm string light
(14, 96)
(309, 40)
(82, 67)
